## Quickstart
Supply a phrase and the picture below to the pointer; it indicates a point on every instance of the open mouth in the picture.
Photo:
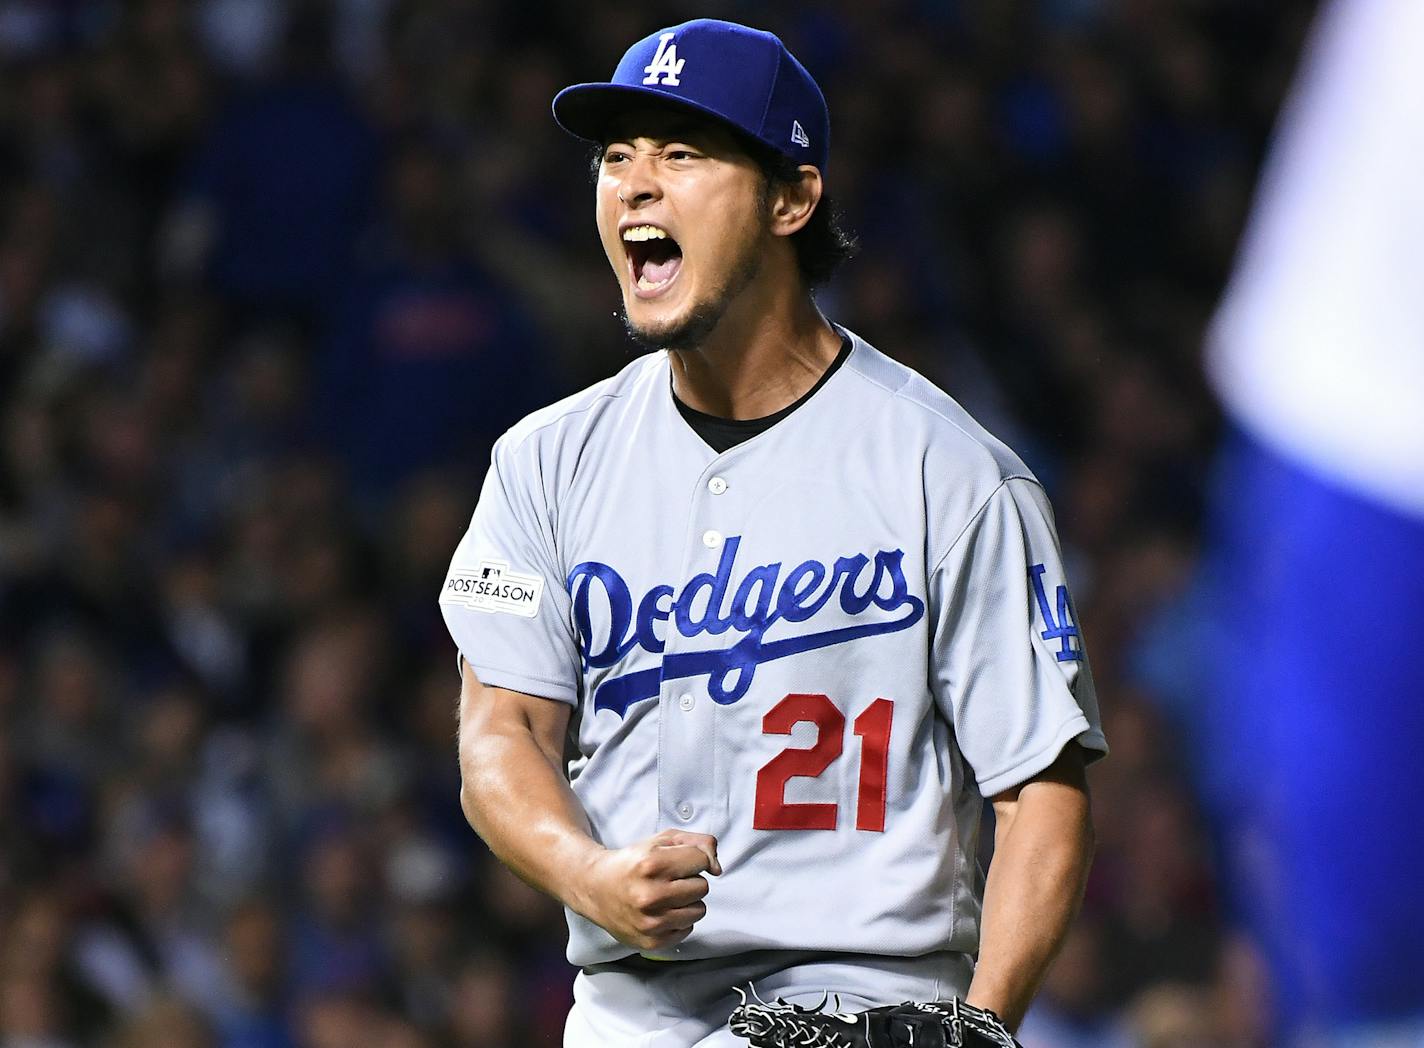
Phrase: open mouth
(655, 256)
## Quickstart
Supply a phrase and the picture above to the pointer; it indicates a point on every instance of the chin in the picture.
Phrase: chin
(661, 328)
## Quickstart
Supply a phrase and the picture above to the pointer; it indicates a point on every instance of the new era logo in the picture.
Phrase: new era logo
(798, 134)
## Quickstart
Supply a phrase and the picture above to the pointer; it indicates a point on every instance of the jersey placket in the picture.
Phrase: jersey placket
(688, 754)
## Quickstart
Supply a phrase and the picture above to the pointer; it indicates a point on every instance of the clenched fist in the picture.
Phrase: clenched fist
(649, 894)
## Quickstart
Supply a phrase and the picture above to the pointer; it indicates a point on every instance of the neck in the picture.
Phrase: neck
(762, 357)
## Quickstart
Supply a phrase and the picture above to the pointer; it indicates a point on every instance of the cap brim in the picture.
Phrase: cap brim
(585, 110)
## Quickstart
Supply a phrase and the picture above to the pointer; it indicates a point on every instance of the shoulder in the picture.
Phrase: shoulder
(960, 450)
(567, 423)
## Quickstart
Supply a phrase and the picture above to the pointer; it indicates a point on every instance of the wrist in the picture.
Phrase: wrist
(980, 996)
(578, 875)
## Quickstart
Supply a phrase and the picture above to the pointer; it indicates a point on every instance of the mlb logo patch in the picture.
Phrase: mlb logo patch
(492, 587)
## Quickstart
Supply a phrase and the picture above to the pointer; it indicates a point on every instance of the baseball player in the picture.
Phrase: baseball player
(750, 630)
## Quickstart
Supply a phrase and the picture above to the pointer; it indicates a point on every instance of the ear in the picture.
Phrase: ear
(793, 204)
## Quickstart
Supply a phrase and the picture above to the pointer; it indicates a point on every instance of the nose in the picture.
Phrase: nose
(639, 185)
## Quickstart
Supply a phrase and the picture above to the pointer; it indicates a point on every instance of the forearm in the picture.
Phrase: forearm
(525, 810)
(516, 797)
(647, 894)
(1043, 850)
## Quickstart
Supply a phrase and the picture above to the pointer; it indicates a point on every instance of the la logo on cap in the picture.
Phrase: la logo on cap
(665, 63)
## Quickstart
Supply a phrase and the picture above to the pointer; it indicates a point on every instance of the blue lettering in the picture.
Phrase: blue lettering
(888, 563)
(716, 586)
(620, 612)
(789, 604)
(764, 579)
(1064, 628)
(853, 603)
(730, 671)
(648, 613)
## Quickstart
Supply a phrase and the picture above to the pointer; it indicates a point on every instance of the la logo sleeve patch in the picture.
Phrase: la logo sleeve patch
(1062, 627)
(491, 586)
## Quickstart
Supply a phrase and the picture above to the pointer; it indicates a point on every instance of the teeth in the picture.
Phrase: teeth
(638, 233)
(648, 285)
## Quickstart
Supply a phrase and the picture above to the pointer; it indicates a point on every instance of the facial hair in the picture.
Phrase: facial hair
(699, 323)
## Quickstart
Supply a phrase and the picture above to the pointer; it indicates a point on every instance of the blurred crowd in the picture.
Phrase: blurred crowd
(274, 274)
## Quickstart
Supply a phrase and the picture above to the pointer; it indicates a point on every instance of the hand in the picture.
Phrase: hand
(649, 895)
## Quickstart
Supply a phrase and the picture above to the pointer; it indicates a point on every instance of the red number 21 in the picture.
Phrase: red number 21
(774, 812)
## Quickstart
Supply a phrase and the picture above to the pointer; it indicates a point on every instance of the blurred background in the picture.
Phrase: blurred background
(274, 274)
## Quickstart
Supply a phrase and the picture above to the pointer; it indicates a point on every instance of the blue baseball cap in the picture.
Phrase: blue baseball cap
(742, 77)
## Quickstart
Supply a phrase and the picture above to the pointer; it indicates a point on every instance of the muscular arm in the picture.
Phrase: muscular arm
(512, 785)
(514, 793)
(1043, 846)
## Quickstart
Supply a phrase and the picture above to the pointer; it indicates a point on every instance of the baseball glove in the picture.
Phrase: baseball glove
(934, 1024)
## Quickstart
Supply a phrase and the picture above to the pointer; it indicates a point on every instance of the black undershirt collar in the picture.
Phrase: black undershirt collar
(723, 433)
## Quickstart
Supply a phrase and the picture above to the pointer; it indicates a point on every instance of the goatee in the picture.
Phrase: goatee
(689, 334)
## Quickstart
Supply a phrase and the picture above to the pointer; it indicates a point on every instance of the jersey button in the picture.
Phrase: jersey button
(711, 539)
(716, 485)
(685, 811)
(685, 701)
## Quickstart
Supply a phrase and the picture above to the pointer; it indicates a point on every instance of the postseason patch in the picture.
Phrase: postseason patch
(493, 587)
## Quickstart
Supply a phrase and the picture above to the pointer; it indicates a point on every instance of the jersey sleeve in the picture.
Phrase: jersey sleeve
(1010, 671)
(504, 599)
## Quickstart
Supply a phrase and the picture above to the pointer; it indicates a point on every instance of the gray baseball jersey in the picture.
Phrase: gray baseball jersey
(825, 646)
